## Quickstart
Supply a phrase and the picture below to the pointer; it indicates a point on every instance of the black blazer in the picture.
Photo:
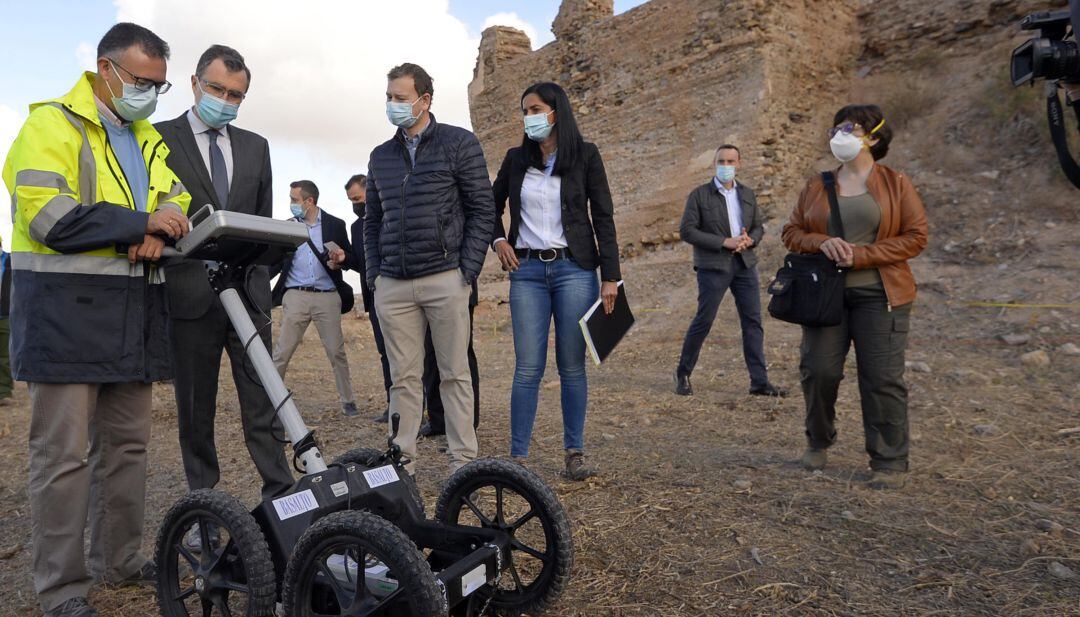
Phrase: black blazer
(333, 230)
(588, 216)
(358, 264)
(250, 192)
(705, 225)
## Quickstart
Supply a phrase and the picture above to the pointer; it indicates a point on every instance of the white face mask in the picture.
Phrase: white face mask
(845, 146)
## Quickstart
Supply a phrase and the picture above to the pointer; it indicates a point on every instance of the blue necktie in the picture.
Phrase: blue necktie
(219, 175)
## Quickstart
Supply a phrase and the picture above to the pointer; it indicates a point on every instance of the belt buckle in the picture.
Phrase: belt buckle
(554, 255)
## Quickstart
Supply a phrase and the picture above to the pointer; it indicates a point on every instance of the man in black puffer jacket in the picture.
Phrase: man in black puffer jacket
(430, 215)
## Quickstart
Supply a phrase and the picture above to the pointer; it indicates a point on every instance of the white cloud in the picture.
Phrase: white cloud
(86, 55)
(10, 123)
(514, 21)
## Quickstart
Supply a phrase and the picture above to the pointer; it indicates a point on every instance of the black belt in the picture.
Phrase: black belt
(310, 288)
(544, 255)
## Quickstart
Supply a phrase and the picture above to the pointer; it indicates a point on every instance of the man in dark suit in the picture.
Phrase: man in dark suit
(723, 223)
(355, 190)
(229, 168)
(311, 289)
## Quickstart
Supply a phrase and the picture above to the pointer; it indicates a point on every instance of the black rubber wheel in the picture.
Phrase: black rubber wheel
(501, 494)
(369, 457)
(407, 587)
(234, 577)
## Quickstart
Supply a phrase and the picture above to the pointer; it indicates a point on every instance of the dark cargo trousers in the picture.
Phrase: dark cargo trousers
(880, 338)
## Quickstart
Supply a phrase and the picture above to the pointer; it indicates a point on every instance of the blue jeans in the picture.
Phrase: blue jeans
(539, 291)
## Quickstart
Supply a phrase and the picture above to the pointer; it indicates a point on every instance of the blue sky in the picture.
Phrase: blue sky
(318, 67)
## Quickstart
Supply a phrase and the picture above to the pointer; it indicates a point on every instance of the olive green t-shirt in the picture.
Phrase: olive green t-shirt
(861, 217)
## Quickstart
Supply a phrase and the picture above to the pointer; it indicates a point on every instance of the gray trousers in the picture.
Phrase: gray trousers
(87, 460)
(197, 346)
(880, 338)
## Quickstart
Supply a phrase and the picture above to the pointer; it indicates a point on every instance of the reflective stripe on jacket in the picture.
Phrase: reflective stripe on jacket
(80, 312)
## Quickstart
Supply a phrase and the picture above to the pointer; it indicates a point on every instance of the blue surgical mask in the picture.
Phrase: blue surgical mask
(215, 112)
(537, 126)
(725, 173)
(296, 209)
(400, 114)
(135, 104)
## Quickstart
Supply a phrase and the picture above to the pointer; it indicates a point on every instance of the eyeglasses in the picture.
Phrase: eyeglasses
(221, 92)
(142, 83)
(847, 127)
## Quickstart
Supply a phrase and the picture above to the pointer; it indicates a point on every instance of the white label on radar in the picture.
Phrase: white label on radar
(339, 488)
(295, 504)
(380, 476)
(473, 580)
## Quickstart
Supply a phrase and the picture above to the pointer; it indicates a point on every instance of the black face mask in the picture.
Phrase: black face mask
(358, 209)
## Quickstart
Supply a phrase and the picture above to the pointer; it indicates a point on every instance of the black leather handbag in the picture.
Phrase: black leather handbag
(809, 288)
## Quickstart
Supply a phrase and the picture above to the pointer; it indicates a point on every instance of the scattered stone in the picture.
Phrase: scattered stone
(1050, 224)
(985, 430)
(1036, 359)
(755, 554)
(1070, 349)
(1053, 528)
(1066, 432)
(1015, 340)
(990, 175)
(848, 515)
(608, 436)
(1058, 570)
(969, 375)
(918, 367)
(742, 485)
(863, 72)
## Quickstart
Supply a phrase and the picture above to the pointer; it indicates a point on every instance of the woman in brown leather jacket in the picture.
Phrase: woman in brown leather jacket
(884, 225)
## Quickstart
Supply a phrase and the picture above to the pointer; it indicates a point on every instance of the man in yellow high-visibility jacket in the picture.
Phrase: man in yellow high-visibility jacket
(88, 180)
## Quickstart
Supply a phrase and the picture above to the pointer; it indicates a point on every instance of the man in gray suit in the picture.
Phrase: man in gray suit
(229, 168)
(723, 223)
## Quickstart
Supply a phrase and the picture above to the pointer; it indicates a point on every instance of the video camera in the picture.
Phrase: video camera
(1054, 56)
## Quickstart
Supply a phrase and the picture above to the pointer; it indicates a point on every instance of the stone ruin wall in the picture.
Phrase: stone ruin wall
(659, 87)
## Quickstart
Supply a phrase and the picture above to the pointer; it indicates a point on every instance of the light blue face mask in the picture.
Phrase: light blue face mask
(537, 126)
(215, 112)
(296, 209)
(135, 104)
(725, 173)
(400, 114)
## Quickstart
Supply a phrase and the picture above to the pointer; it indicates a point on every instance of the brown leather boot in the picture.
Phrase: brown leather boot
(576, 467)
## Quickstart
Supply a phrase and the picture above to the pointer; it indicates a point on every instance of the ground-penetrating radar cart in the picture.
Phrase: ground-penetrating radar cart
(351, 537)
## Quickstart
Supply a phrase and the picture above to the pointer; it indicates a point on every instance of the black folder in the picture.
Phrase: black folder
(602, 331)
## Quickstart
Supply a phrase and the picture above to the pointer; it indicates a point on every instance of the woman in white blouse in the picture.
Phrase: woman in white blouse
(562, 230)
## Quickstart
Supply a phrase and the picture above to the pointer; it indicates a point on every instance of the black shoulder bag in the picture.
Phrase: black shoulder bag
(809, 288)
(344, 290)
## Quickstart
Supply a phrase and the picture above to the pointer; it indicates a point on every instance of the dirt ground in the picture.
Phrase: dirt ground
(701, 509)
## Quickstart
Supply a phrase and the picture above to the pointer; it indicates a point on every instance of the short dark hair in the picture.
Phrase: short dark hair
(125, 34)
(360, 179)
(232, 59)
(423, 82)
(727, 147)
(567, 134)
(868, 117)
(307, 189)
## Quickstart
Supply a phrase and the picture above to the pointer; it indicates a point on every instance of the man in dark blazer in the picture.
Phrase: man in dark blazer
(355, 190)
(723, 223)
(311, 289)
(228, 168)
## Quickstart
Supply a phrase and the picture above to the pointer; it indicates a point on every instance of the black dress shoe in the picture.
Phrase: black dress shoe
(682, 385)
(384, 418)
(768, 390)
(430, 431)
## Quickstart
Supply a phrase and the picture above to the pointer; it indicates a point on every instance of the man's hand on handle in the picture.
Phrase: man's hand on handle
(149, 250)
(168, 222)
